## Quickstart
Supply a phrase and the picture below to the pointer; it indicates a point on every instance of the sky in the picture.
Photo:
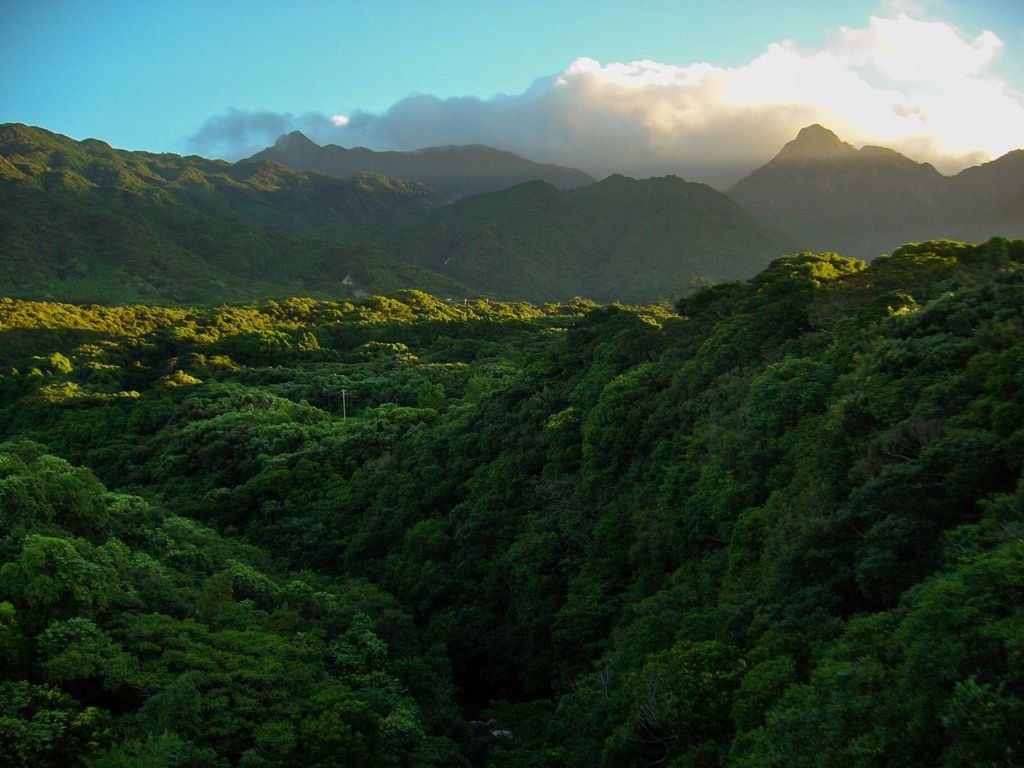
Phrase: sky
(706, 89)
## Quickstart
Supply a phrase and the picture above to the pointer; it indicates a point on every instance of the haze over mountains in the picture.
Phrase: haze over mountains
(82, 221)
(832, 196)
(456, 171)
(823, 192)
(619, 239)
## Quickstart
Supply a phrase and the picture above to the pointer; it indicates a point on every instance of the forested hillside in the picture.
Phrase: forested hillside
(781, 526)
(621, 239)
(80, 221)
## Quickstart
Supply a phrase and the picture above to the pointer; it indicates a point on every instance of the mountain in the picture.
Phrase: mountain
(833, 196)
(862, 202)
(990, 197)
(619, 239)
(82, 221)
(458, 171)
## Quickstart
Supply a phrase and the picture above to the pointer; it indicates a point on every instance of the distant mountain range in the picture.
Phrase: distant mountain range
(81, 221)
(619, 239)
(863, 202)
(825, 193)
(457, 171)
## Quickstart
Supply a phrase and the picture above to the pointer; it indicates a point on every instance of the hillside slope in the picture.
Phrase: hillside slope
(619, 239)
(83, 221)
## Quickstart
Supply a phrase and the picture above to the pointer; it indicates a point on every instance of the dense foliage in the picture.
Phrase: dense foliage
(781, 526)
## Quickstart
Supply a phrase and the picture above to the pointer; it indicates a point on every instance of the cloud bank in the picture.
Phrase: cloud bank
(921, 87)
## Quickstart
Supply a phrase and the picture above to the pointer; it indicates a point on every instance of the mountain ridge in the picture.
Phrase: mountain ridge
(83, 221)
(79, 218)
(860, 202)
(456, 170)
(619, 239)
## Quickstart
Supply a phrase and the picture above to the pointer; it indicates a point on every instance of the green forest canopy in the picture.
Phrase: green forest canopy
(781, 526)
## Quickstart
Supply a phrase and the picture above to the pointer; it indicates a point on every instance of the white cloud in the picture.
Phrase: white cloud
(911, 50)
(920, 87)
(238, 133)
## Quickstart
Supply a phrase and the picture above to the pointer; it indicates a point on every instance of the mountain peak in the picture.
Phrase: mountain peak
(296, 141)
(815, 142)
(457, 171)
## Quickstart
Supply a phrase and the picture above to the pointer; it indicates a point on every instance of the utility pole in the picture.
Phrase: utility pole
(344, 406)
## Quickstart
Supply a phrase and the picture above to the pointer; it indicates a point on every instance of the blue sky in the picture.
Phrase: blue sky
(152, 75)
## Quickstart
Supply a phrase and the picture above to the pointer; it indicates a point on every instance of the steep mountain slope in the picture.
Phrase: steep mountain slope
(990, 197)
(863, 202)
(619, 239)
(835, 197)
(458, 171)
(83, 221)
